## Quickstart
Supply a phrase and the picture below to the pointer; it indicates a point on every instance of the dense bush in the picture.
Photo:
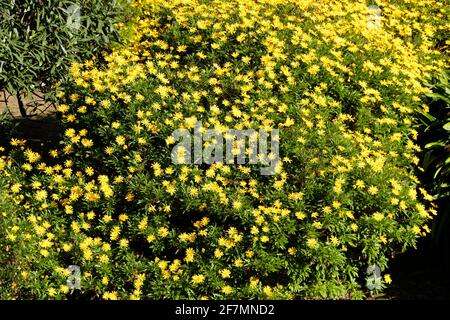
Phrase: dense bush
(39, 40)
(342, 92)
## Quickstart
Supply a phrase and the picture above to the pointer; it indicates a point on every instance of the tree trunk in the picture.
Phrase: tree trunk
(23, 111)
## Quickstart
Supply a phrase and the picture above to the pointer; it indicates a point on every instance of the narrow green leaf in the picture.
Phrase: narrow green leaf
(446, 126)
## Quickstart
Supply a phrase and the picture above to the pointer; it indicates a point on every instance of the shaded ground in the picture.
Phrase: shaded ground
(35, 105)
(420, 274)
(41, 123)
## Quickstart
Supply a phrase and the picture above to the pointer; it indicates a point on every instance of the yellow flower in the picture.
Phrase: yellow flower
(41, 195)
(314, 69)
(300, 215)
(115, 232)
(372, 190)
(198, 278)
(387, 278)
(189, 257)
(87, 254)
(416, 229)
(123, 217)
(334, 240)
(89, 171)
(110, 295)
(378, 216)
(359, 184)
(120, 140)
(163, 232)
(123, 243)
(90, 215)
(51, 291)
(312, 243)
(218, 253)
(253, 282)
(64, 289)
(15, 188)
(225, 273)
(267, 290)
(151, 238)
(227, 290)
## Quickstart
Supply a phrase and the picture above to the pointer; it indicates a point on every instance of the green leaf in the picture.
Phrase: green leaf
(446, 126)
(434, 144)
(436, 174)
(428, 159)
(428, 116)
(437, 96)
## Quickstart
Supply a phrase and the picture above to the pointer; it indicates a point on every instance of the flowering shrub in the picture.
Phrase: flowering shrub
(341, 90)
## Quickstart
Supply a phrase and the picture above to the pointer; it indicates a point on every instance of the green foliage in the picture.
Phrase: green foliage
(39, 39)
(435, 139)
(436, 136)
